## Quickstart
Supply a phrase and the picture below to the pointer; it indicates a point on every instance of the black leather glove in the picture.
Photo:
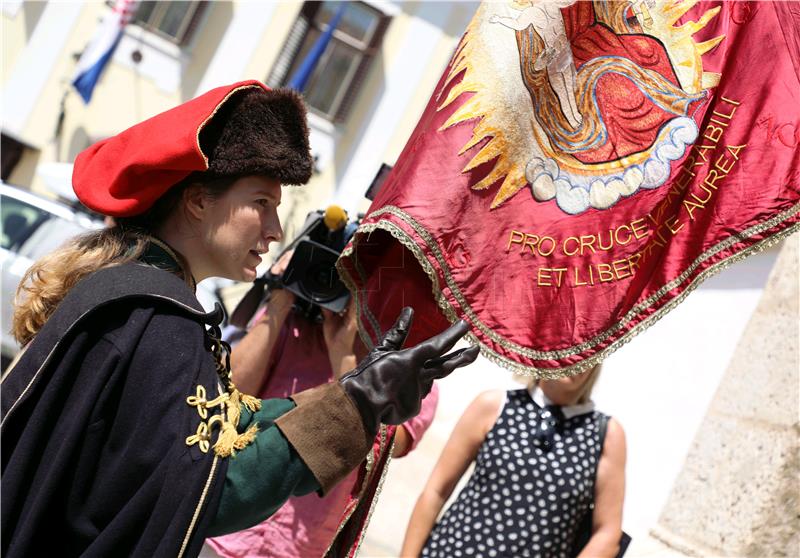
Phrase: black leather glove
(389, 384)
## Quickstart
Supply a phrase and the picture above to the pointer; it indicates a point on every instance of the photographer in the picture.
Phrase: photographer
(283, 352)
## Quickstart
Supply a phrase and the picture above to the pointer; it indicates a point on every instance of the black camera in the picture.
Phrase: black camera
(311, 274)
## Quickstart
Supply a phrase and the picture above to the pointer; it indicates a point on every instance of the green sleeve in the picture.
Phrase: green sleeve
(263, 475)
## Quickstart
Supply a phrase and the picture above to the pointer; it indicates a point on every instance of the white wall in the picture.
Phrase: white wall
(35, 65)
(402, 79)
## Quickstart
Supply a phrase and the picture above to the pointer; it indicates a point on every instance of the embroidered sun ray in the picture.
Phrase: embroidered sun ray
(485, 79)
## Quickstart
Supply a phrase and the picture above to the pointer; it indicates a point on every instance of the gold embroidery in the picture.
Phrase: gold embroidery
(199, 400)
(450, 312)
(202, 437)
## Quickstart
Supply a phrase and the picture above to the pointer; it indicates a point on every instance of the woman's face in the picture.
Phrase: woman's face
(565, 391)
(239, 226)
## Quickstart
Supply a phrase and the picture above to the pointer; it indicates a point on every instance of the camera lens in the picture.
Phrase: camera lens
(311, 275)
(322, 283)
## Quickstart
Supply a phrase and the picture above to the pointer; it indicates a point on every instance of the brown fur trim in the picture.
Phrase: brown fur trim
(260, 132)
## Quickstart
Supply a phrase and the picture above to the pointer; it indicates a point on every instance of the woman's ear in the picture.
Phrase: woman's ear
(195, 201)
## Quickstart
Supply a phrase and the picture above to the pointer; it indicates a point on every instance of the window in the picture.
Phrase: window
(19, 221)
(175, 21)
(340, 72)
(11, 151)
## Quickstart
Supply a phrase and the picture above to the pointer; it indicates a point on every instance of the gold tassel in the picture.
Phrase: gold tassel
(232, 408)
(229, 440)
(226, 440)
(252, 403)
(244, 439)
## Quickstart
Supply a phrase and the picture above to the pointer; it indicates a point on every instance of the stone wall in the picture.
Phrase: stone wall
(739, 491)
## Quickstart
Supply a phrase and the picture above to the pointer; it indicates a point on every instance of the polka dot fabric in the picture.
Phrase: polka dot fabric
(525, 498)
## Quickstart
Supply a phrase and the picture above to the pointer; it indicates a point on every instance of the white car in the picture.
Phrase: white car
(32, 226)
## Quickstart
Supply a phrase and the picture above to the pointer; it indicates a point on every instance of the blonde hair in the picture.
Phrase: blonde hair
(586, 389)
(48, 281)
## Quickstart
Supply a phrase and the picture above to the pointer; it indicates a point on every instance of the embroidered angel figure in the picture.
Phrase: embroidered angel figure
(556, 57)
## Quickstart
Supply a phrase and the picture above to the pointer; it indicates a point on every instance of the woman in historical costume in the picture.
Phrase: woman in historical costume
(122, 432)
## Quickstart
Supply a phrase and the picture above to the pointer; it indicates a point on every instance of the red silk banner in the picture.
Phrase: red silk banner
(580, 168)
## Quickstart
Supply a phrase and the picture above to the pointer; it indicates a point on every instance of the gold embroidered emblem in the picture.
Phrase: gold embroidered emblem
(202, 437)
(200, 401)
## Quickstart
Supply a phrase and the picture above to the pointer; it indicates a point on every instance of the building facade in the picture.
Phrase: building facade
(365, 93)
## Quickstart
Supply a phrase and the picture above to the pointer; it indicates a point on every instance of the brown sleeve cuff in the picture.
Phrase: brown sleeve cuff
(327, 432)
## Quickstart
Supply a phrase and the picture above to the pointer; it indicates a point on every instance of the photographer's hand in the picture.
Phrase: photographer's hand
(340, 331)
(250, 359)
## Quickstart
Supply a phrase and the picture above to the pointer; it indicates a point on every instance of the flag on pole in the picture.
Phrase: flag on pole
(580, 168)
(100, 49)
(300, 78)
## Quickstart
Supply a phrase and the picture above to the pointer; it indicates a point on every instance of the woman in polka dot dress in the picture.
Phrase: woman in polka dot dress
(539, 467)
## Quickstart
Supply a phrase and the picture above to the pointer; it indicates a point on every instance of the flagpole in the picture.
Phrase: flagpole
(302, 75)
(59, 129)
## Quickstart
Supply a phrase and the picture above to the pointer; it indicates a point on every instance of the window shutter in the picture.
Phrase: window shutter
(194, 23)
(294, 41)
(363, 68)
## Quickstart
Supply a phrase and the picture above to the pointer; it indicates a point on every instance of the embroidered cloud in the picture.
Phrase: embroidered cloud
(576, 193)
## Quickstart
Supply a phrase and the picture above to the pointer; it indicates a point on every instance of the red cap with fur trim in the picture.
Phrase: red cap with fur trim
(239, 129)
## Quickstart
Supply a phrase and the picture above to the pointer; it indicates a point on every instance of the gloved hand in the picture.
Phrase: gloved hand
(388, 385)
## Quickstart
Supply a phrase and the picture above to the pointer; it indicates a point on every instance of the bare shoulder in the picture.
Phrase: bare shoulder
(490, 399)
(614, 445)
(484, 410)
(615, 430)
(488, 403)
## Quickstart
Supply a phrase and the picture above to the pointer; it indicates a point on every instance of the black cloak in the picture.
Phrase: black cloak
(95, 421)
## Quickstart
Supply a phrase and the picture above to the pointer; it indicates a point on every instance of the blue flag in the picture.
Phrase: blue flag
(100, 49)
(301, 76)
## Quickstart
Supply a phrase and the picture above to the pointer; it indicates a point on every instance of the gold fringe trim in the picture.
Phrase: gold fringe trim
(450, 313)
(362, 310)
(229, 440)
